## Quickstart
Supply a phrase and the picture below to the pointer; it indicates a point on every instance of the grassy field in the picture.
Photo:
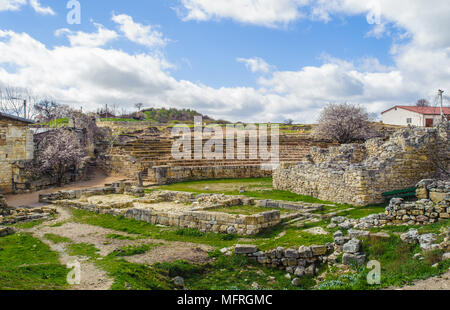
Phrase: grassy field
(396, 258)
(27, 263)
(261, 188)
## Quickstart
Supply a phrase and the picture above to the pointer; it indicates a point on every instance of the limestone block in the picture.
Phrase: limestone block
(245, 249)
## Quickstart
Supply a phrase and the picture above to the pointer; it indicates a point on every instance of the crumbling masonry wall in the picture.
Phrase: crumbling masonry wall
(16, 143)
(358, 174)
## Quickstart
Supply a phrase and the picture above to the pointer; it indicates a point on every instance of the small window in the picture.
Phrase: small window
(409, 120)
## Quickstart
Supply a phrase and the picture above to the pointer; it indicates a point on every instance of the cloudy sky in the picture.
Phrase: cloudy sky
(241, 60)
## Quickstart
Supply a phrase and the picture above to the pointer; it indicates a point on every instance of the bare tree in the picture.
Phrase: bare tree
(18, 101)
(139, 106)
(60, 151)
(289, 121)
(344, 123)
(423, 103)
(46, 110)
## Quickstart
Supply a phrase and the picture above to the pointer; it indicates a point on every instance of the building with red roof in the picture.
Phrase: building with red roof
(414, 115)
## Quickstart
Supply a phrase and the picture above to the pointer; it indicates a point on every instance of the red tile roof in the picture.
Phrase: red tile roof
(421, 110)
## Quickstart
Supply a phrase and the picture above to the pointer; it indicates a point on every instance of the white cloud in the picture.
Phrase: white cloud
(99, 38)
(255, 64)
(40, 9)
(86, 74)
(271, 13)
(138, 33)
(11, 5)
(15, 5)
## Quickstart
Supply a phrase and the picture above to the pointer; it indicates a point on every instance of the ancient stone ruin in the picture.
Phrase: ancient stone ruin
(358, 174)
(205, 212)
(149, 151)
(13, 215)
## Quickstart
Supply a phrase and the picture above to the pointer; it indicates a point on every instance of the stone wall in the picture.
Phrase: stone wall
(16, 143)
(358, 174)
(24, 181)
(400, 212)
(167, 174)
(206, 221)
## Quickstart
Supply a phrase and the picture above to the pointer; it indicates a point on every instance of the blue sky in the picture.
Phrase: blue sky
(318, 55)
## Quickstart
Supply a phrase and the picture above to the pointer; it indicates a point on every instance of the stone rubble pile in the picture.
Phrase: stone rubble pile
(428, 242)
(6, 231)
(13, 215)
(435, 190)
(400, 212)
(302, 261)
(121, 187)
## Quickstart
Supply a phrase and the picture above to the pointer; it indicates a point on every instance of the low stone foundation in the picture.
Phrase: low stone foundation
(13, 215)
(302, 261)
(121, 187)
(305, 260)
(400, 212)
(192, 211)
(167, 174)
(6, 231)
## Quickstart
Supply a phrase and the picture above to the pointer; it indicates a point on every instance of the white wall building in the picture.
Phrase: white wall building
(414, 116)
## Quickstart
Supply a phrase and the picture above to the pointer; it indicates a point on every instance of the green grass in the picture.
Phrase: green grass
(361, 212)
(293, 237)
(131, 276)
(398, 268)
(260, 188)
(28, 264)
(132, 250)
(60, 122)
(268, 239)
(83, 249)
(57, 239)
(119, 237)
(230, 273)
(28, 225)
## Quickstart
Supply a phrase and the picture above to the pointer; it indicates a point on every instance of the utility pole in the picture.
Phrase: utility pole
(25, 109)
(440, 93)
(24, 106)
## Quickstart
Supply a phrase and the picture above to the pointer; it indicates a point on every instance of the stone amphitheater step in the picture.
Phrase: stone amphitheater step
(150, 151)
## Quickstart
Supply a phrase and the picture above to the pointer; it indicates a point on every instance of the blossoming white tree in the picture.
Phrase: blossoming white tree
(60, 152)
(344, 123)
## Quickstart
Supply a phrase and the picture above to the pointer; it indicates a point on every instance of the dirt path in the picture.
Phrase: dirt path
(435, 283)
(94, 278)
(97, 180)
